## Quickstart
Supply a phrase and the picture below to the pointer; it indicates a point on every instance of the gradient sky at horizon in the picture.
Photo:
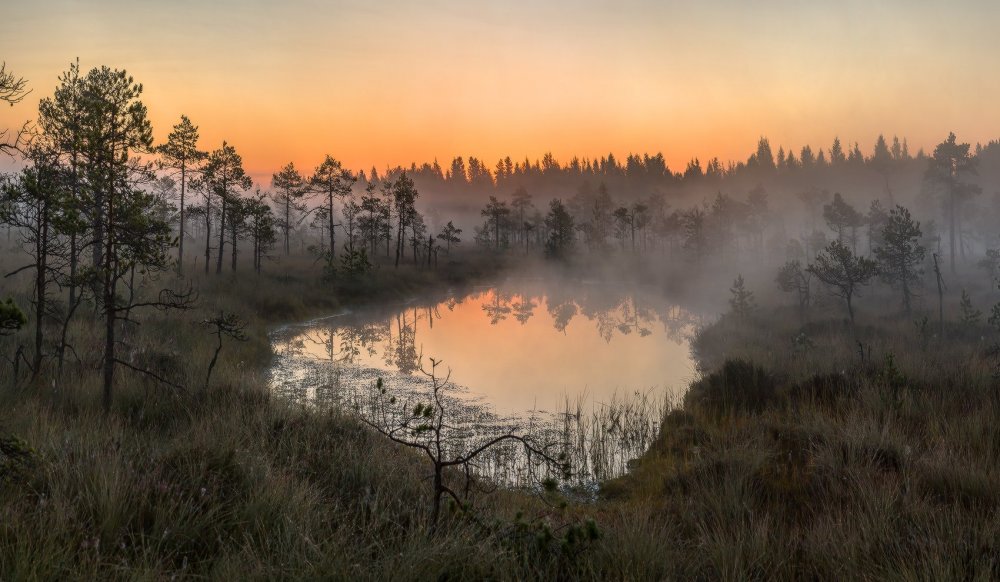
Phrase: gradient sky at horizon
(392, 82)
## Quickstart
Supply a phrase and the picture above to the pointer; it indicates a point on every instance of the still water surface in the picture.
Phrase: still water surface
(515, 347)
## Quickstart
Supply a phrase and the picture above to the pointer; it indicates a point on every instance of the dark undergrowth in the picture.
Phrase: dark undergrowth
(829, 461)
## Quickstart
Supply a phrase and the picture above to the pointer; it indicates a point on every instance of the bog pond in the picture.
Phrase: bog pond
(593, 365)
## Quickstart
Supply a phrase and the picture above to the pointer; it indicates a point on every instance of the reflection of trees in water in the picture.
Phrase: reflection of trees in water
(677, 322)
(524, 308)
(293, 346)
(401, 351)
(623, 315)
(431, 314)
(562, 313)
(607, 323)
(498, 307)
(355, 339)
(340, 344)
(393, 338)
(326, 338)
(562, 308)
(635, 318)
(615, 311)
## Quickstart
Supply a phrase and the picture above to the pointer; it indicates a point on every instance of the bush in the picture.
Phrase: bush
(740, 386)
(822, 389)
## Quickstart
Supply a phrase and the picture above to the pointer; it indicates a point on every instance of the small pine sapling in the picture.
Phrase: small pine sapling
(970, 315)
(742, 301)
(224, 325)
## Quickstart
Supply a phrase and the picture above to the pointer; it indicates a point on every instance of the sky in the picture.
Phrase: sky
(381, 83)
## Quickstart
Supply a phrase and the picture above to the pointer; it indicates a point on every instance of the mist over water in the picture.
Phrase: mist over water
(516, 348)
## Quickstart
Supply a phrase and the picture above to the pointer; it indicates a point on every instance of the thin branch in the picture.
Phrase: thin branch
(18, 270)
(150, 374)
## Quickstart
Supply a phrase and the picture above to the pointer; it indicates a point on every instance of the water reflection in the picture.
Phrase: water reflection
(598, 362)
(518, 347)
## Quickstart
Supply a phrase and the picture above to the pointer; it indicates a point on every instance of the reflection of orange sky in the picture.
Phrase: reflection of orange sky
(520, 366)
(393, 82)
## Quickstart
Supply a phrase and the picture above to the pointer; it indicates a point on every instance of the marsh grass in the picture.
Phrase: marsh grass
(235, 483)
(858, 463)
(797, 455)
(604, 439)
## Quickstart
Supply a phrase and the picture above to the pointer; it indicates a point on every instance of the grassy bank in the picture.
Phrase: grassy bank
(818, 452)
(235, 483)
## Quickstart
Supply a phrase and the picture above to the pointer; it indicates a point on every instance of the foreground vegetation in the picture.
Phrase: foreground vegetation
(804, 454)
(797, 455)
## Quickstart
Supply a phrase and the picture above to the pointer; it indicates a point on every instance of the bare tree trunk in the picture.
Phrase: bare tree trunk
(98, 228)
(72, 237)
(951, 229)
(180, 239)
(109, 355)
(233, 244)
(63, 344)
(41, 268)
(288, 221)
(399, 240)
(208, 233)
(222, 237)
(109, 320)
(72, 268)
(333, 241)
(940, 287)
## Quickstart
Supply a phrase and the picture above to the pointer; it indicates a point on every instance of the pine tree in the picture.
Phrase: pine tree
(334, 182)
(180, 153)
(763, 158)
(373, 223)
(840, 216)
(792, 278)
(449, 234)
(875, 219)
(404, 196)
(32, 204)
(520, 204)
(970, 315)
(223, 175)
(843, 271)
(290, 189)
(13, 90)
(559, 223)
(261, 227)
(114, 129)
(945, 169)
(742, 302)
(806, 157)
(496, 212)
(882, 161)
(60, 118)
(900, 256)
(837, 156)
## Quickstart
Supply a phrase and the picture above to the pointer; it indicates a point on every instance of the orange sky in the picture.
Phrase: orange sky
(393, 82)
